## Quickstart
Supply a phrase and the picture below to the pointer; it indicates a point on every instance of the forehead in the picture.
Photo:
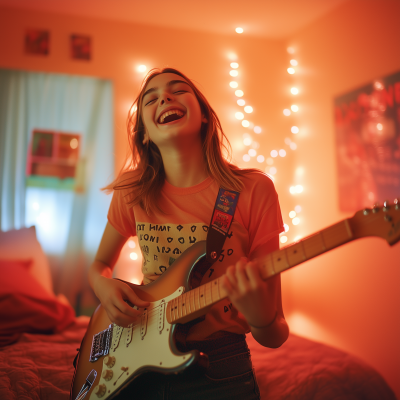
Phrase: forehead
(162, 80)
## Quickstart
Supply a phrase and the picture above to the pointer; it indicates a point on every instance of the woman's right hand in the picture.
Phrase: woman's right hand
(113, 295)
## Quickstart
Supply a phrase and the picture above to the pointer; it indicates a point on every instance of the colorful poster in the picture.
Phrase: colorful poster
(37, 41)
(367, 122)
(80, 47)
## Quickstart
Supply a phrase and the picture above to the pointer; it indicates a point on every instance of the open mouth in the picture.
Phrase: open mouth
(170, 116)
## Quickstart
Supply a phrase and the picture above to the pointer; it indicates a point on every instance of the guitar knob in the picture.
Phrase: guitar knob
(109, 361)
(99, 390)
(107, 374)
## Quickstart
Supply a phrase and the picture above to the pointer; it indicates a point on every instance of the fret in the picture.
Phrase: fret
(295, 254)
(179, 298)
(314, 246)
(267, 267)
(192, 301)
(215, 289)
(202, 299)
(279, 261)
(184, 304)
(198, 298)
(209, 299)
(337, 234)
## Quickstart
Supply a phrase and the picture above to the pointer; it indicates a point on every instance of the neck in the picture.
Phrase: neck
(184, 163)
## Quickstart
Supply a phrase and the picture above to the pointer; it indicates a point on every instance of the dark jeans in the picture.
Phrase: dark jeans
(229, 376)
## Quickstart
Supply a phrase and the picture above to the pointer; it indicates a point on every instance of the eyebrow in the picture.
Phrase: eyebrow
(170, 83)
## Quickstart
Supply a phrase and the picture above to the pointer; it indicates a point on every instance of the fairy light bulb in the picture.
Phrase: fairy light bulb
(283, 239)
(290, 50)
(241, 102)
(274, 153)
(293, 146)
(239, 30)
(282, 152)
(260, 158)
(233, 72)
(233, 84)
(286, 112)
(234, 65)
(293, 62)
(239, 93)
(291, 71)
(257, 129)
(252, 152)
(133, 256)
(245, 123)
(294, 90)
(246, 157)
(248, 109)
(272, 170)
(292, 214)
(294, 129)
(297, 209)
(294, 108)
(247, 141)
(286, 227)
(239, 115)
(131, 244)
(141, 68)
(295, 221)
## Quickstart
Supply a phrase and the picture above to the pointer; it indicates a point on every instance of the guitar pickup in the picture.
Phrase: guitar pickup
(101, 344)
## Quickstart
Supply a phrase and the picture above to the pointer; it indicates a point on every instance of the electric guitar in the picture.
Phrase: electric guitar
(111, 357)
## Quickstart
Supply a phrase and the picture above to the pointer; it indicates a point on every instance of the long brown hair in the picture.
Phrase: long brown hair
(147, 161)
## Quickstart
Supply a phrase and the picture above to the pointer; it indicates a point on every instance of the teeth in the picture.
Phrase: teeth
(165, 115)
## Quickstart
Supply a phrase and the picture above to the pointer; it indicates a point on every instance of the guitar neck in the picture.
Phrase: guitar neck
(196, 302)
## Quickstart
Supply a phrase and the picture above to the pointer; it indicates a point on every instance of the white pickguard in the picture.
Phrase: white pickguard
(133, 352)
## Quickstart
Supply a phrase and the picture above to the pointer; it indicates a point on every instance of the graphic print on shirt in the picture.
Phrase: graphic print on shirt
(162, 244)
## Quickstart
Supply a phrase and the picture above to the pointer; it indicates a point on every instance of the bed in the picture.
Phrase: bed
(39, 336)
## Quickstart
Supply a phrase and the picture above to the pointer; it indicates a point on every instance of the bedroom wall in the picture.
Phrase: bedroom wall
(348, 298)
(119, 47)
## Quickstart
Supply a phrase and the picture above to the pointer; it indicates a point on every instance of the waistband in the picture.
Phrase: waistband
(224, 339)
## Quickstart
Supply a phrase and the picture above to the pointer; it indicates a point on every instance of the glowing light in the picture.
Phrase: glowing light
(239, 93)
(297, 209)
(299, 171)
(239, 30)
(133, 256)
(245, 123)
(288, 141)
(286, 226)
(283, 239)
(270, 161)
(293, 62)
(293, 146)
(294, 90)
(378, 85)
(299, 189)
(294, 108)
(233, 73)
(131, 244)
(257, 129)
(291, 71)
(290, 50)
(274, 153)
(233, 84)
(246, 157)
(241, 102)
(255, 145)
(239, 115)
(234, 65)
(297, 238)
(260, 158)
(248, 109)
(295, 221)
(247, 141)
(294, 129)
(141, 68)
(286, 112)
(252, 152)
(292, 214)
(292, 190)
(74, 143)
(35, 206)
(272, 170)
(44, 220)
(282, 152)
(378, 126)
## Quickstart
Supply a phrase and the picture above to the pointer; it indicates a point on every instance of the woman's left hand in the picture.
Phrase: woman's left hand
(248, 292)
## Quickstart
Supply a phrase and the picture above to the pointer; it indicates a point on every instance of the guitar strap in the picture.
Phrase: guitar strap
(221, 220)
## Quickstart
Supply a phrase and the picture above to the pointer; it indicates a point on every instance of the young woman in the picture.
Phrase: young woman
(168, 193)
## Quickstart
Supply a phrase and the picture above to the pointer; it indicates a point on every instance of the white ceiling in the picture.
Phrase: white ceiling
(275, 19)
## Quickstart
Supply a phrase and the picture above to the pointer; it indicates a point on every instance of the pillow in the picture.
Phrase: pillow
(23, 244)
(25, 306)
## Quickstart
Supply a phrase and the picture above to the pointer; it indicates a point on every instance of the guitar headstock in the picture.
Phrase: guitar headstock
(378, 221)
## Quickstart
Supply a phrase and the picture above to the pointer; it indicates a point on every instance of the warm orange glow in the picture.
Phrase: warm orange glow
(141, 68)
(294, 90)
(133, 256)
(239, 93)
(295, 221)
(294, 108)
(246, 157)
(233, 73)
(248, 109)
(293, 146)
(294, 129)
(290, 50)
(252, 152)
(239, 30)
(234, 65)
(260, 158)
(239, 115)
(293, 62)
(292, 214)
(283, 239)
(233, 84)
(257, 129)
(270, 161)
(241, 102)
(245, 123)
(282, 152)
(247, 141)
(74, 143)
(291, 71)
(131, 244)
(286, 112)
(274, 153)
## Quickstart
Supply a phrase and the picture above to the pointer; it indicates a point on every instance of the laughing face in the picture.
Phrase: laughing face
(170, 110)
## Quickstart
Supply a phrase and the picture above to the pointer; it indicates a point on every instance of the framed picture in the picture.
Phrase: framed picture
(37, 42)
(367, 123)
(80, 47)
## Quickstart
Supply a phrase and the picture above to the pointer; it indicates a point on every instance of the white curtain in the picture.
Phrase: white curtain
(68, 224)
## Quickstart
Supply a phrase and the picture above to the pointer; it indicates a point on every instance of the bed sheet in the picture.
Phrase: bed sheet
(40, 367)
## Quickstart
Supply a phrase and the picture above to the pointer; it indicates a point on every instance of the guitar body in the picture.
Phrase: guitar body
(147, 345)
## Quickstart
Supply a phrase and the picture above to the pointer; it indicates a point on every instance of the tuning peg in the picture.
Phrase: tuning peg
(386, 205)
(396, 202)
(375, 208)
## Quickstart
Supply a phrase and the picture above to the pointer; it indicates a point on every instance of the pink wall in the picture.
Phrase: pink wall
(350, 297)
(348, 302)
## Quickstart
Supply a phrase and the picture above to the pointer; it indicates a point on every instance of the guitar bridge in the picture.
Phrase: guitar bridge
(101, 344)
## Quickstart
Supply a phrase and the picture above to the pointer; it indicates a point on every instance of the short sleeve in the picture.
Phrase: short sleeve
(261, 212)
(120, 216)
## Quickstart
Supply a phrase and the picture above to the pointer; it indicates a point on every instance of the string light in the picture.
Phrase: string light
(297, 209)
(239, 30)
(233, 84)
(248, 109)
(131, 244)
(294, 108)
(239, 115)
(292, 214)
(293, 62)
(247, 141)
(252, 152)
(291, 71)
(234, 65)
(246, 157)
(294, 90)
(133, 256)
(241, 102)
(260, 158)
(294, 129)
(295, 221)
(141, 68)
(272, 170)
(239, 93)
(245, 123)
(293, 146)
(290, 50)
(286, 227)
(274, 153)
(282, 152)
(257, 129)
(286, 112)
(233, 73)
(283, 239)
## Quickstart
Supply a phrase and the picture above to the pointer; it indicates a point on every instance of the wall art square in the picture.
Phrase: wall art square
(80, 47)
(37, 41)
(367, 122)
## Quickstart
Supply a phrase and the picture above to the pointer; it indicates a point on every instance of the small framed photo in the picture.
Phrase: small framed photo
(37, 42)
(80, 47)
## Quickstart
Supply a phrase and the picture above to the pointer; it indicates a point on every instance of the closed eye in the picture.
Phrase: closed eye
(179, 91)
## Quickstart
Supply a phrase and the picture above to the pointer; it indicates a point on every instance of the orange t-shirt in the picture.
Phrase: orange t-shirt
(163, 237)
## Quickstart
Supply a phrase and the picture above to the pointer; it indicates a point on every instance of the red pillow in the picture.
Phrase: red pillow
(25, 306)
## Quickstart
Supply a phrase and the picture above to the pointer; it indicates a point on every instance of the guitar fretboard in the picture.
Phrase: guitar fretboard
(194, 303)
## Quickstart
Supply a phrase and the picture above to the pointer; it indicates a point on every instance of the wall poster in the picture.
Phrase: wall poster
(367, 122)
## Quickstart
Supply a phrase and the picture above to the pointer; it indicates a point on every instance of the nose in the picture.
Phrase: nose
(165, 99)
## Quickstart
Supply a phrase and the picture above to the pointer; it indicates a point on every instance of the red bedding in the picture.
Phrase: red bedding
(40, 367)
